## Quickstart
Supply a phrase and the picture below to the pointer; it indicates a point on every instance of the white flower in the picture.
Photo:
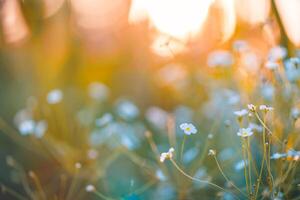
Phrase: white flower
(272, 65)
(212, 152)
(245, 132)
(241, 113)
(276, 156)
(220, 58)
(127, 110)
(277, 53)
(251, 107)
(31, 127)
(167, 155)
(255, 127)
(104, 120)
(90, 188)
(92, 154)
(210, 136)
(40, 128)
(157, 116)
(98, 91)
(265, 108)
(240, 45)
(26, 127)
(78, 165)
(295, 60)
(295, 112)
(188, 128)
(54, 96)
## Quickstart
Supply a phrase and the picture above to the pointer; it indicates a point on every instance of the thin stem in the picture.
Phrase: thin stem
(265, 126)
(152, 143)
(198, 180)
(202, 156)
(24, 181)
(182, 147)
(269, 160)
(265, 148)
(226, 178)
(102, 196)
(286, 174)
(262, 122)
(73, 184)
(145, 187)
(262, 162)
(245, 167)
(294, 170)
(37, 184)
(155, 150)
(11, 192)
(249, 162)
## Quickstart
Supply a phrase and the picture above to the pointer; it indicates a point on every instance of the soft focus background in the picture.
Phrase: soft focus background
(98, 74)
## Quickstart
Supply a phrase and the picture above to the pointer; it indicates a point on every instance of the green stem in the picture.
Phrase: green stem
(102, 196)
(199, 180)
(245, 167)
(12, 192)
(265, 148)
(249, 163)
(226, 178)
(262, 162)
(182, 147)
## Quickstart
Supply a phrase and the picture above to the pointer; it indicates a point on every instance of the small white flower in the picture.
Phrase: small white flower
(265, 108)
(295, 60)
(255, 127)
(277, 53)
(54, 96)
(272, 65)
(276, 156)
(92, 154)
(240, 45)
(27, 127)
(98, 91)
(157, 117)
(220, 58)
(212, 152)
(188, 128)
(241, 113)
(210, 136)
(31, 127)
(245, 132)
(295, 112)
(40, 128)
(127, 110)
(251, 107)
(10, 161)
(78, 165)
(90, 188)
(104, 120)
(167, 155)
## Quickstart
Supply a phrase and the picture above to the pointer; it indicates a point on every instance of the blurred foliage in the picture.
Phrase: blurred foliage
(122, 106)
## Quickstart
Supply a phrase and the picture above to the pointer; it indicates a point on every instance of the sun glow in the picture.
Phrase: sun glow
(181, 19)
(289, 13)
